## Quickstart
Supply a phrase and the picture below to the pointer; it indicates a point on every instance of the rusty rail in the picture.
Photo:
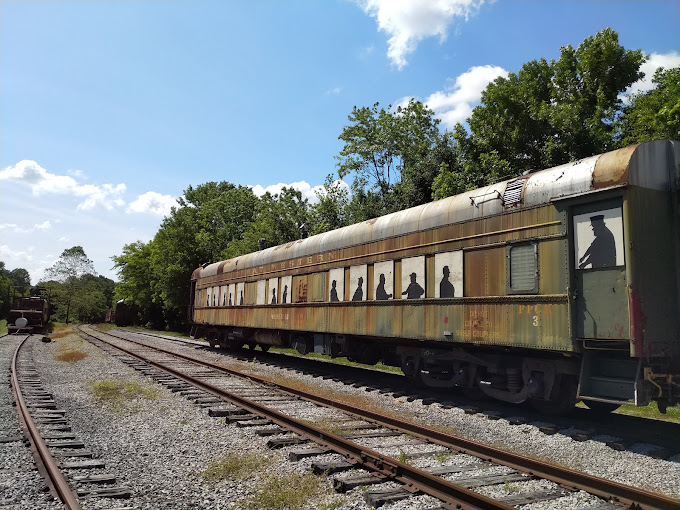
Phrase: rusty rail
(44, 458)
(607, 489)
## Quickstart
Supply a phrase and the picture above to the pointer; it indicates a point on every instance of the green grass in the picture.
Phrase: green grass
(285, 492)
(122, 396)
(3, 327)
(338, 361)
(652, 411)
(235, 466)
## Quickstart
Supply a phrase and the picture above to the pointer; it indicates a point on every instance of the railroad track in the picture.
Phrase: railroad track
(621, 432)
(253, 401)
(59, 456)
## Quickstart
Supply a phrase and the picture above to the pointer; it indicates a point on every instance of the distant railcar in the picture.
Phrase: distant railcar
(558, 285)
(30, 314)
(122, 314)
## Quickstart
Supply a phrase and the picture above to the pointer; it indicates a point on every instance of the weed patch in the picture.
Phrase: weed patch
(235, 466)
(287, 492)
(121, 395)
(71, 356)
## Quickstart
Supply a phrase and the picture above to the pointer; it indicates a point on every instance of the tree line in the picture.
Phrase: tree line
(76, 292)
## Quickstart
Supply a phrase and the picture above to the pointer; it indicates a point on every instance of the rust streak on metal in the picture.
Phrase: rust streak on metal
(612, 168)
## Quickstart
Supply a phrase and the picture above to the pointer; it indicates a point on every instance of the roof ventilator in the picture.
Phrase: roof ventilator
(513, 192)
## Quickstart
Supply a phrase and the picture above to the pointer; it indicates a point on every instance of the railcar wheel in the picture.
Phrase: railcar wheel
(601, 407)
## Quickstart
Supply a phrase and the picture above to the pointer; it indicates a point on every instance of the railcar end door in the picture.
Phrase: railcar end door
(601, 297)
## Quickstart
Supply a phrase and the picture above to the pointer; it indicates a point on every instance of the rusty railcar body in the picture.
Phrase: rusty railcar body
(30, 314)
(559, 284)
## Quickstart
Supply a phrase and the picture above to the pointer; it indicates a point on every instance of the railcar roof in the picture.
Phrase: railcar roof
(643, 165)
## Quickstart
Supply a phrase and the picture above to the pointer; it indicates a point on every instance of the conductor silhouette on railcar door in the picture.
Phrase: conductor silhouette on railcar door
(602, 251)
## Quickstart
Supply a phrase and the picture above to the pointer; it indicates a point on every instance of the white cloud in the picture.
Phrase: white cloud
(308, 192)
(334, 91)
(42, 182)
(45, 225)
(152, 203)
(455, 103)
(656, 60)
(8, 253)
(408, 22)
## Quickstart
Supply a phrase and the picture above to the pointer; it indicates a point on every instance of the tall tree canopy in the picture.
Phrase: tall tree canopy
(386, 152)
(553, 112)
(75, 289)
(655, 114)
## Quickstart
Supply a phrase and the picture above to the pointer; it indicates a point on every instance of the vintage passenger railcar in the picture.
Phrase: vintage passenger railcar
(557, 285)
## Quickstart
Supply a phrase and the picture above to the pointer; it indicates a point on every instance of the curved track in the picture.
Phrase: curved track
(46, 463)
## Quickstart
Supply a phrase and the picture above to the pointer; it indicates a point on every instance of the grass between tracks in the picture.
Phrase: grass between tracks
(236, 466)
(3, 327)
(284, 492)
(122, 396)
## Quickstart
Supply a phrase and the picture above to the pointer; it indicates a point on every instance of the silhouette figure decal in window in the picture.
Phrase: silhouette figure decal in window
(359, 293)
(334, 292)
(445, 286)
(380, 292)
(241, 299)
(414, 290)
(274, 296)
(285, 294)
(602, 251)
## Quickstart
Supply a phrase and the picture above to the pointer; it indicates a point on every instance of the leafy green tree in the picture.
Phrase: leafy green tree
(208, 219)
(384, 151)
(551, 112)
(278, 220)
(655, 114)
(331, 210)
(67, 271)
(20, 279)
(136, 285)
(5, 291)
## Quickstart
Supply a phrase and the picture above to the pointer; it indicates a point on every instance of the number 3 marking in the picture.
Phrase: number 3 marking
(535, 322)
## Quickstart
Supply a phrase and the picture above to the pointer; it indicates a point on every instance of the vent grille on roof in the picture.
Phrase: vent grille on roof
(513, 192)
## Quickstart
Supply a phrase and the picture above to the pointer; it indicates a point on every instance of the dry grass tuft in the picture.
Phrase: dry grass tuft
(71, 356)
(62, 333)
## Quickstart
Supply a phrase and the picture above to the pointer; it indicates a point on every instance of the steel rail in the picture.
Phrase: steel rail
(55, 476)
(415, 480)
(564, 476)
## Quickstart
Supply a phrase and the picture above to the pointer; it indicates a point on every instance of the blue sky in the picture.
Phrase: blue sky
(109, 110)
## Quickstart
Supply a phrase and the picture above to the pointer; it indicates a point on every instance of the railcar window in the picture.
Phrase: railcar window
(336, 291)
(286, 290)
(598, 241)
(448, 269)
(300, 287)
(413, 278)
(240, 297)
(316, 289)
(523, 268)
(273, 296)
(261, 292)
(357, 282)
(383, 280)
